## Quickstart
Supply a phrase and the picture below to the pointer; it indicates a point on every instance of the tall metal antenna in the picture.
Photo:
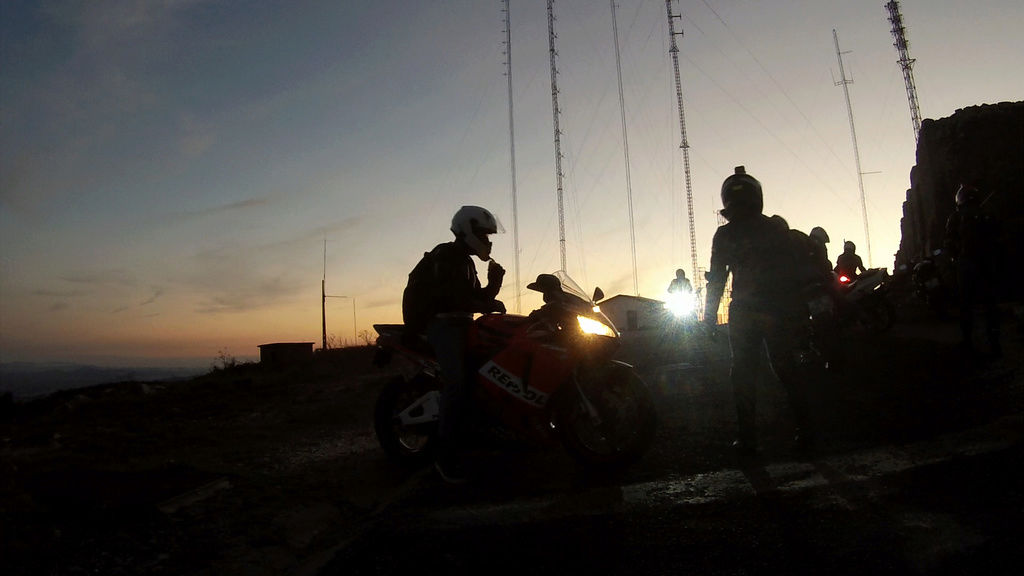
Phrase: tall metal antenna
(625, 149)
(899, 33)
(323, 304)
(684, 143)
(512, 148)
(556, 112)
(844, 82)
(323, 300)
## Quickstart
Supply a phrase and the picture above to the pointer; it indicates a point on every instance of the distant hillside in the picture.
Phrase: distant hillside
(26, 379)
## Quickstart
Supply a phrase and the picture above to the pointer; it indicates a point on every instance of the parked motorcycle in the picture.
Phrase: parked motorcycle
(864, 301)
(544, 378)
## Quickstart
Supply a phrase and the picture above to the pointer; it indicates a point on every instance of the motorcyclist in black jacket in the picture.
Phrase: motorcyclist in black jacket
(972, 238)
(820, 250)
(766, 309)
(439, 301)
(848, 263)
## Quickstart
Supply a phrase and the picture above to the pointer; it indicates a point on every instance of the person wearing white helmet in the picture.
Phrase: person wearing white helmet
(439, 301)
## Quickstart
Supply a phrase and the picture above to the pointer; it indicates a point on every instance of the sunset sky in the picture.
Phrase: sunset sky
(171, 169)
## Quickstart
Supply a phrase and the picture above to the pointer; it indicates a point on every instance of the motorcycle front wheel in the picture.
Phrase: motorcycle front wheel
(608, 419)
(410, 445)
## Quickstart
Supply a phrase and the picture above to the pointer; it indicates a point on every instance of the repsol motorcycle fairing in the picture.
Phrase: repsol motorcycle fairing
(544, 378)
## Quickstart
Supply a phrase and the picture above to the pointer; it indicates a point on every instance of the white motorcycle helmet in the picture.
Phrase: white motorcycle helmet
(473, 224)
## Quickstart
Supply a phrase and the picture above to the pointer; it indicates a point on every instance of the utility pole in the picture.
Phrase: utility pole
(555, 111)
(899, 33)
(684, 143)
(844, 82)
(323, 300)
(323, 305)
(625, 149)
(512, 148)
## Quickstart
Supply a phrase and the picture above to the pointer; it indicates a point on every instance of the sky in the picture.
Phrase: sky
(178, 176)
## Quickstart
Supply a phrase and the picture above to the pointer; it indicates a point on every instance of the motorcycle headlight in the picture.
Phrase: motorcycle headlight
(591, 326)
(681, 304)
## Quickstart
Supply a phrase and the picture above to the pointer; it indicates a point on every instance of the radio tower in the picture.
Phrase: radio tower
(899, 32)
(844, 82)
(625, 148)
(512, 146)
(684, 143)
(555, 111)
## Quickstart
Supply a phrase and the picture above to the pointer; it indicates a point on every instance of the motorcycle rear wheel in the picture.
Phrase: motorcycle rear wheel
(621, 427)
(411, 446)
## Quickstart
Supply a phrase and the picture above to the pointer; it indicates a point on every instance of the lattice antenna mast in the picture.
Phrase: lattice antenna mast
(899, 33)
(556, 112)
(625, 149)
(684, 143)
(512, 148)
(844, 82)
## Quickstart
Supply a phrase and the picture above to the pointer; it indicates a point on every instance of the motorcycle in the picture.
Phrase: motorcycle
(864, 301)
(545, 378)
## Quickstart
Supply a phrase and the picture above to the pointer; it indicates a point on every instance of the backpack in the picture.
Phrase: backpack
(418, 298)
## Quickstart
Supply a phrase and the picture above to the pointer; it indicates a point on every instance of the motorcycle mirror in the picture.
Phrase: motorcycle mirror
(598, 295)
(937, 252)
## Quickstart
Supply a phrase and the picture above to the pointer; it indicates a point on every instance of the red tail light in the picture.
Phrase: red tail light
(844, 279)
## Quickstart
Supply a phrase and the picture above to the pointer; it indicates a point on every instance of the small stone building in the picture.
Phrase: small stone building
(285, 353)
(633, 313)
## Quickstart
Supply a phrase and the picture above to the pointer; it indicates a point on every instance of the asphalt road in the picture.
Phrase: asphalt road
(919, 471)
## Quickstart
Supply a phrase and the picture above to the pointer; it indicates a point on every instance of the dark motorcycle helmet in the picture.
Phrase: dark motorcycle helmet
(849, 247)
(741, 195)
(966, 194)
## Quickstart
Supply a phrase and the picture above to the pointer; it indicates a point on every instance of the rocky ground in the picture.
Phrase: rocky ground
(254, 471)
(239, 471)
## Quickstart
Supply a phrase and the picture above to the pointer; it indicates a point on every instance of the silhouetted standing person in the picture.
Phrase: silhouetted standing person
(819, 250)
(680, 283)
(972, 240)
(849, 264)
(766, 310)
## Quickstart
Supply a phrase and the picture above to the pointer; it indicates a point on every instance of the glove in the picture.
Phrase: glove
(495, 272)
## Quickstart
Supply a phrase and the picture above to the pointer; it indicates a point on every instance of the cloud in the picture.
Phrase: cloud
(239, 278)
(196, 137)
(75, 103)
(252, 295)
(157, 293)
(246, 204)
(60, 293)
(112, 276)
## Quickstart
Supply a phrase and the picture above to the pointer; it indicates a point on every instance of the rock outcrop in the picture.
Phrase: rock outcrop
(982, 145)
